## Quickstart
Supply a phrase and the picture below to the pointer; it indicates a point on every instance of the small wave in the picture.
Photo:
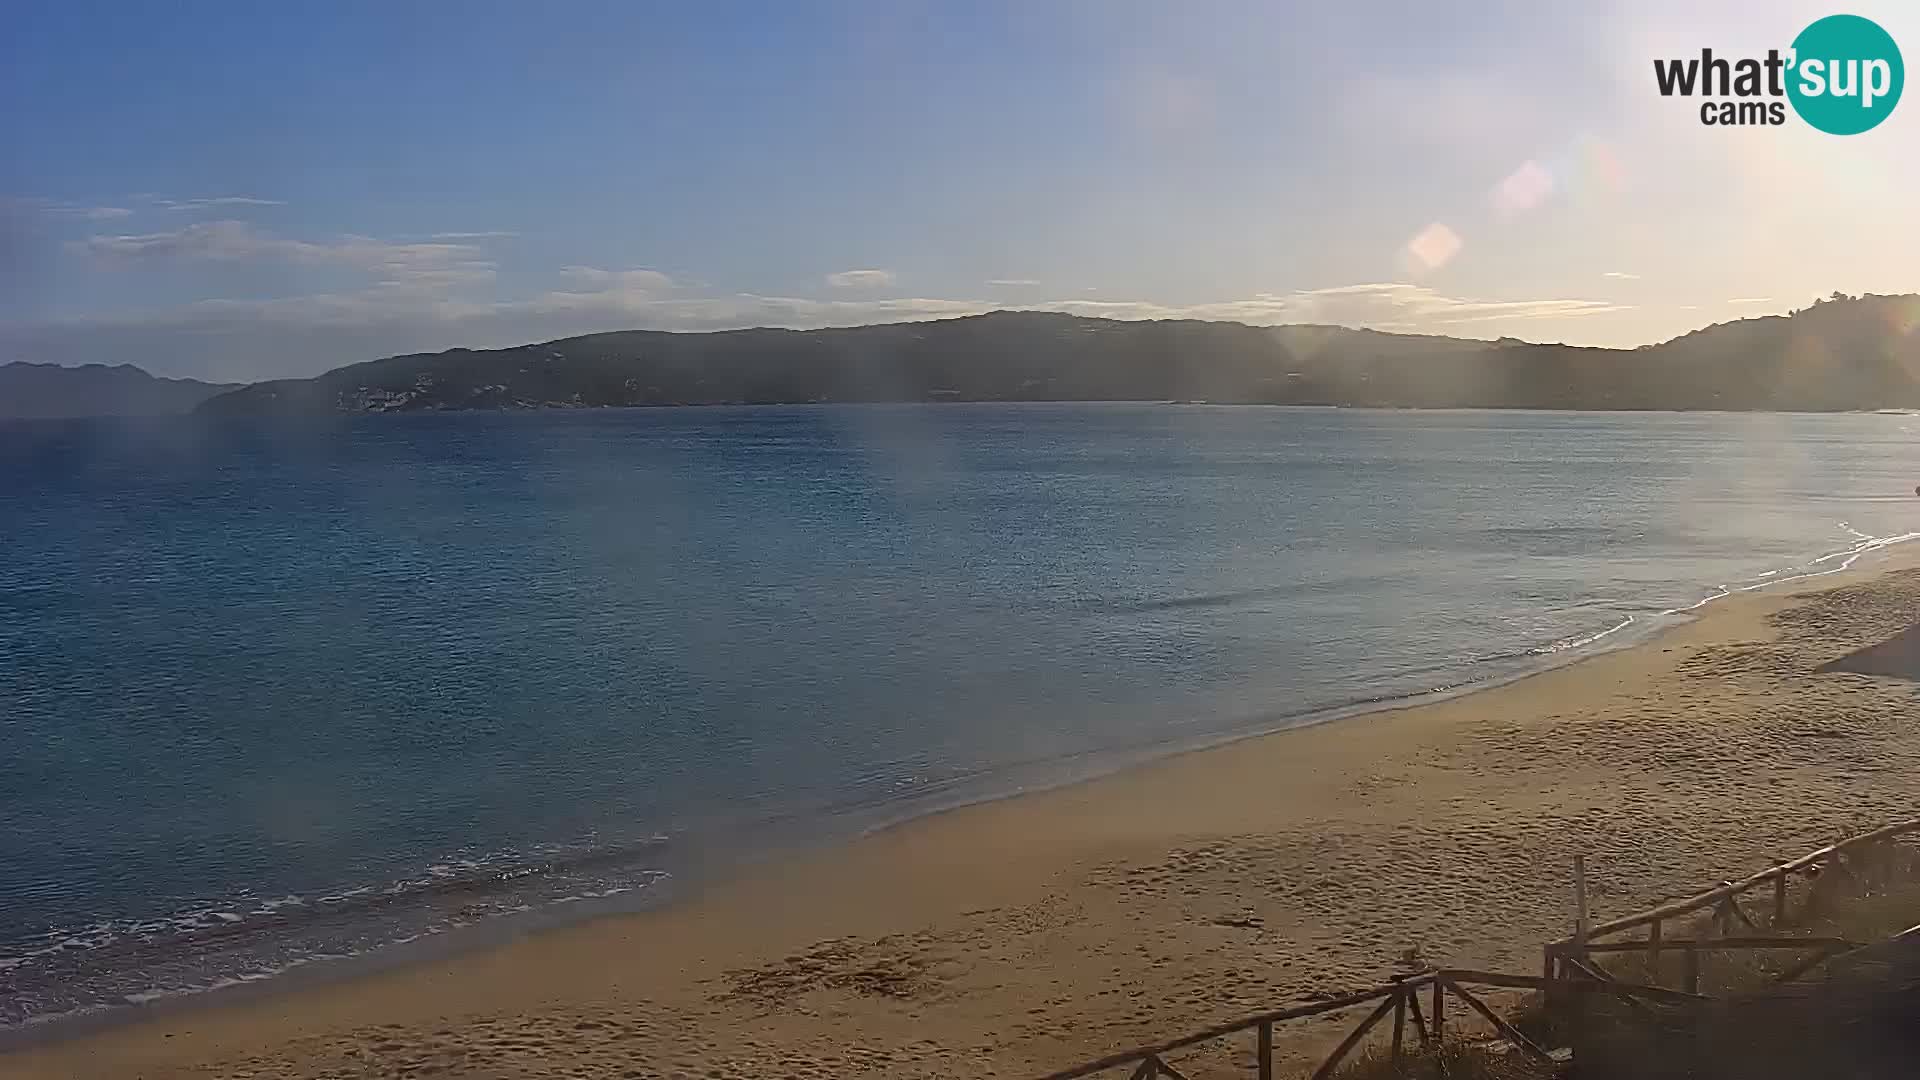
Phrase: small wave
(225, 922)
(1582, 641)
(74, 985)
(1563, 644)
(1501, 657)
(1846, 557)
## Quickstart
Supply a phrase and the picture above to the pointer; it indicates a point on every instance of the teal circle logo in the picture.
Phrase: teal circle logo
(1846, 75)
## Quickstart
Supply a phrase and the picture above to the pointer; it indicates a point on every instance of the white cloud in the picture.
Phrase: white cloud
(739, 310)
(641, 281)
(60, 208)
(1622, 275)
(418, 265)
(1379, 305)
(860, 279)
(491, 235)
(212, 203)
(1012, 283)
(220, 240)
(1751, 300)
(430, 278)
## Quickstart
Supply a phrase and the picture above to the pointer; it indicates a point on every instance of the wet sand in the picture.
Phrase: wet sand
(1023, 935)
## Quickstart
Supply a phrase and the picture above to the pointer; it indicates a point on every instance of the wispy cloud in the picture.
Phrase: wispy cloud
(860, 279)
(416, 264)
(597, 291)
(492, 235)
(1380, 305)
(1621, 274)
(1012, 283)
(93, 213)
(1751, 300)
(90, 212)
(61, 208)
(218, 240)
(644, 297)
(644, 281)
(214, 203)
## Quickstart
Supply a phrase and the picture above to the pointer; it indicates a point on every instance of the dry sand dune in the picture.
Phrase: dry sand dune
(1019, 936)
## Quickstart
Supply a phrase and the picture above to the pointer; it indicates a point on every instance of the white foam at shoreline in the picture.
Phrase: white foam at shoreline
(1851, 554)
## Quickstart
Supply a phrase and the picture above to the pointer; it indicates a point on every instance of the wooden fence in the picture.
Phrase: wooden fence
(1400, 999)
(1856, 859)
(1571, 967)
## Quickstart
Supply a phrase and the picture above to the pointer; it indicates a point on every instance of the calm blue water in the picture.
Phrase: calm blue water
(272, 694)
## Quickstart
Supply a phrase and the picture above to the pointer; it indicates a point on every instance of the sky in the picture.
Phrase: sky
(245, 191)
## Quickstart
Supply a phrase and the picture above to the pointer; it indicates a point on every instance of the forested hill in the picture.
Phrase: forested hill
(1847, 353)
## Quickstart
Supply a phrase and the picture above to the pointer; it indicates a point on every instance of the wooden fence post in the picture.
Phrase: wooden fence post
(1580, 920)
(1439, 1013)
(1653, 953)
(1266, 1050)
(1399, 1023)
(1419, 1017)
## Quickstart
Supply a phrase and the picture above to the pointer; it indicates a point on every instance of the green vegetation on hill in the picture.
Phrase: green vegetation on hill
(1850, 353)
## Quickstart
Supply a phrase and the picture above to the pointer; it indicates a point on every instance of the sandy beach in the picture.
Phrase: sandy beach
(1023, 935)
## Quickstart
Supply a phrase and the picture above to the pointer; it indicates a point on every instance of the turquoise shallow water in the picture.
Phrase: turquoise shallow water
(268, 695)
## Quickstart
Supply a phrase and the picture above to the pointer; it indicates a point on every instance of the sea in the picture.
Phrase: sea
(283, 697)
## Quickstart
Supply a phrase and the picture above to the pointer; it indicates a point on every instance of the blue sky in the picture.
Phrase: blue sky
(247, 191)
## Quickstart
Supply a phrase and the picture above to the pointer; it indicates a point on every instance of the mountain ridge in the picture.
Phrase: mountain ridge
(1843, 354)
(33, 391)
(1847, 353)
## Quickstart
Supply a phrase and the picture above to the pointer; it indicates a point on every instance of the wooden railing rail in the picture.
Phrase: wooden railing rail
(1570, 968)
(1400, 999)
(1775, 875)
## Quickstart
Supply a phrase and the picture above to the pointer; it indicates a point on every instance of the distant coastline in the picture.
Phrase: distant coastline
(51, 392)
(1847, 354)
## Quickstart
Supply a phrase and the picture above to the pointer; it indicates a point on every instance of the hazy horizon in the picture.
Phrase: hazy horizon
(290, 192)
(946, 318)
